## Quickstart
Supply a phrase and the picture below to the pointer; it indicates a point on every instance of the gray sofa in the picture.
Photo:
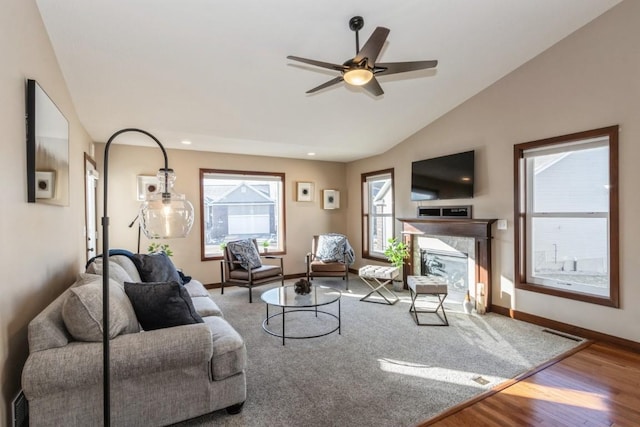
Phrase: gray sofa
(158, 377)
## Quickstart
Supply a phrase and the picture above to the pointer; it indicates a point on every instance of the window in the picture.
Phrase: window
(567, 216)
(236, 205)
(377, 213)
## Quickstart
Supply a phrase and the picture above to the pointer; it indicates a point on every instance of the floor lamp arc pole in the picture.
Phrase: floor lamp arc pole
(105, 269)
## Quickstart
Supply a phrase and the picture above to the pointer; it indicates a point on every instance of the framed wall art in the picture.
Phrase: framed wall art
(304, 192)
(330, 199)
(45, 184)
(146, 185)
(47, 149)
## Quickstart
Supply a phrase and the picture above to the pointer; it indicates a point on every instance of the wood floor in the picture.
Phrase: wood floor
(596, 386)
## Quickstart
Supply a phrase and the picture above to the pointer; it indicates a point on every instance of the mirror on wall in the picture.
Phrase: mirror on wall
(47, 149)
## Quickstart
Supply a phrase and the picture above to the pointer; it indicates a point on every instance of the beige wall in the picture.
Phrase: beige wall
(303, 219)
(589, 80)
(42, 246)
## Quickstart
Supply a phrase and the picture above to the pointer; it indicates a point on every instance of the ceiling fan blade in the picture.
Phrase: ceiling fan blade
(373, 87)
(403, 67)
(326, 84)
(328, 65)
(373, 46)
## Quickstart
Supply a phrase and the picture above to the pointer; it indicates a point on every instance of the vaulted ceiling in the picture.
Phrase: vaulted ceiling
(215, 72)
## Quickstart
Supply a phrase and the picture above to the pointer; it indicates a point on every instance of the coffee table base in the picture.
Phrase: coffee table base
(283, 313)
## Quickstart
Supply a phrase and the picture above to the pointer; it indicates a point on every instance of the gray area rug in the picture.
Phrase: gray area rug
(383, 370)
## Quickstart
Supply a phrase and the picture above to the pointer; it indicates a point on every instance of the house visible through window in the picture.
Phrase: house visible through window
(377, 212)
(566, 216)
(237, 205)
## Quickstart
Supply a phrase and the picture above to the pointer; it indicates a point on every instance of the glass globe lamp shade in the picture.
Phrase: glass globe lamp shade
(166, 214)
(358, 76)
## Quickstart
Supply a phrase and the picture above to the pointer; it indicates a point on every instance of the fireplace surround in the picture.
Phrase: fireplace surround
(477, 229)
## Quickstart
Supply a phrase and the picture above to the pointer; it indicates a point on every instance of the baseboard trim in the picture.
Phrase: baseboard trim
(567, 328)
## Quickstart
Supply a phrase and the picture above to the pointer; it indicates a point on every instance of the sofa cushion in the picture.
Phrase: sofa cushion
(85, 279)
(323, 267)
(206, 307)
(161, 304)
(116, 272)
(246, 252)
(229, 352)
(47, 329)
(264, 272)
(156, 268)
(331, 247)
(202, 301)
(126, 262)
(82, 312)
(196, 289)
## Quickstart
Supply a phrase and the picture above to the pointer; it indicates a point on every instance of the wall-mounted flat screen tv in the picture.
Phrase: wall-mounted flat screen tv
(446, 177)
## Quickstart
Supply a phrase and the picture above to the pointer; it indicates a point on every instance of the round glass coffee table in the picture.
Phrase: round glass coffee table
(285, 298)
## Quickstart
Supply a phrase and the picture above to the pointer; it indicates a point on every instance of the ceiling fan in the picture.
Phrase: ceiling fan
(362, 69)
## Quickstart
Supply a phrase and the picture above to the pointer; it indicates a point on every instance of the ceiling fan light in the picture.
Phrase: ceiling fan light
(358, 76)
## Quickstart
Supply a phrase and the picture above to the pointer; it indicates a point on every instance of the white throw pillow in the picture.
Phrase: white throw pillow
(331, 247)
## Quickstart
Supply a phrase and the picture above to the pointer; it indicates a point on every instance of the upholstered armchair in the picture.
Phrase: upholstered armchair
(244, 266)
(330, 256)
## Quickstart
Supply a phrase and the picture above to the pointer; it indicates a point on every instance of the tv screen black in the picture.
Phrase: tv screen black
(446, 177)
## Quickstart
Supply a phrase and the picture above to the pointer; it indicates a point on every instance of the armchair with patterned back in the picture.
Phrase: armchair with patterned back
(243, 266)
(330, 256)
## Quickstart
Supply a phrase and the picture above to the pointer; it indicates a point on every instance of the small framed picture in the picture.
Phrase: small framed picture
(330, 199)
(45, 184)
(305, 192)
(146, 186)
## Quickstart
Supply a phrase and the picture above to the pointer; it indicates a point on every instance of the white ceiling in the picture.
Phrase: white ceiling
(215, 72)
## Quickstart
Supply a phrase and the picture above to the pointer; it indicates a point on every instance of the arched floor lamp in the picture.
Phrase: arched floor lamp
(163, 215)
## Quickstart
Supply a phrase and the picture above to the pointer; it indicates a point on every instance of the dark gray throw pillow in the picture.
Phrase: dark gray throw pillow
(156, 268)
(161, 305)
(246, 252)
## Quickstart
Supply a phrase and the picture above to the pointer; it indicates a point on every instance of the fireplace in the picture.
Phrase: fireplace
(454, 243)
(451, 266)
(451, 258)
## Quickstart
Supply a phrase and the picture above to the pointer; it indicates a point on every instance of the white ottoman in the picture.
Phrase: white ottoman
(377, 277)
(430, 286)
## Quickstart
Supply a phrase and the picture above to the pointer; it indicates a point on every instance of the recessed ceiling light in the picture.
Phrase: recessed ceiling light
(311, 154)
(185, 142)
